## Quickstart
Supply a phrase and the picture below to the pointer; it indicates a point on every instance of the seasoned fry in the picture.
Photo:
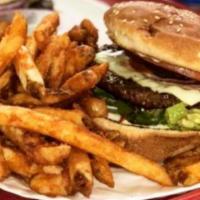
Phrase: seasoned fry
(57, 44)
(36, 148)
(31, 45)
(57, 71)
(3, 26)
(94, 107)
(102, 171)
(77, 59)
(18, 163)
(85, 80)
(28, 73)
(21, 138)
(75, 116)
(50, 155)
(50, 184)
(24, 99)
(15, 37)
(4, 170)
(80, 172)
(92, 33)
(77, 34)
(5, 79)
(185, 167)
(52, 169)
(80, 137)
(45, 29)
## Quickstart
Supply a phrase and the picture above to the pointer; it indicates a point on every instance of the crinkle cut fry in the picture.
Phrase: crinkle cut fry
(82, 138)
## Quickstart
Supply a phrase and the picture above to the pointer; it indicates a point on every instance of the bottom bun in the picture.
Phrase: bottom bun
(154, 144)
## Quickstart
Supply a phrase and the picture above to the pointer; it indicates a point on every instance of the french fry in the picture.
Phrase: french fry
(28, 73)
(36, 148)
(77, 34)
(45, 29)
(50, 184)
(92, 33)
(11, 42)
(52, 169)
(5, 79)
(4, 170)
(57, 44)
(184, 168)
(80, 137)
(84, 80)
(3, 26)
(75, 115)
(80, 172)
(50, 155)
(31, 45)
(18, 163)
(57, 70)
(102, 171)
(77, 59)
(24, 99)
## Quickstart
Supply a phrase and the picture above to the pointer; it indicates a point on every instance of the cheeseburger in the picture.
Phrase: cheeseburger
(153, 80)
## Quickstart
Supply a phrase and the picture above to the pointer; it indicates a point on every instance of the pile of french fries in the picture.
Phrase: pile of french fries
(47, 136)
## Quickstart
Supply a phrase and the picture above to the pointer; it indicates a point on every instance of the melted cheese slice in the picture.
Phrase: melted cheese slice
(119, 64)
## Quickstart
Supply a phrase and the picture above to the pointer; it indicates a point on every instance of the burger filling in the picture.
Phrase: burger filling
(145, 94)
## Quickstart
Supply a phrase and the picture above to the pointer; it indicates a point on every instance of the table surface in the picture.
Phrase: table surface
(189, 196)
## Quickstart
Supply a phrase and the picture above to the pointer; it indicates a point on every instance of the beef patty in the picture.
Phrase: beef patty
(132, 92)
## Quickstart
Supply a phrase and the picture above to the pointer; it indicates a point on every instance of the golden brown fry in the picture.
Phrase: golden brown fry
(77, 59)
(36, 148)
(94, 107)
(77, 34)
(85, 80)
(50, 155)
(80, 137)
(24, 99)
(75, 116)
(3, 26)
(184, 168)
(28, 73)
(45, 29)
(50, 184)
(31, 45)
(4, 170)
(102, 171)
(52, 169)
(18, 163)
(57, 44)
(57, 70)
(80, 172)
(12, 41)
(92, 33)
(5, 79)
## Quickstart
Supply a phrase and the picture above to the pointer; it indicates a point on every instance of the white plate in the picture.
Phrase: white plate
(127, 185)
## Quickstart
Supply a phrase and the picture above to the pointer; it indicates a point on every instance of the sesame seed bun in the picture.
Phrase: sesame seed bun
(160, 32)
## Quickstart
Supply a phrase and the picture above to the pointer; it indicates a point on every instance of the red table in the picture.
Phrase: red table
(194, 195)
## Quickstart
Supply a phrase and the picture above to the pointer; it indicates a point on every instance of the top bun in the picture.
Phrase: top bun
(158, 31)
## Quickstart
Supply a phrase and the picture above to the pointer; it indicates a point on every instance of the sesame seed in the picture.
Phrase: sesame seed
(115, 12)
(132, 21)
(181, 25)
(171, 22)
